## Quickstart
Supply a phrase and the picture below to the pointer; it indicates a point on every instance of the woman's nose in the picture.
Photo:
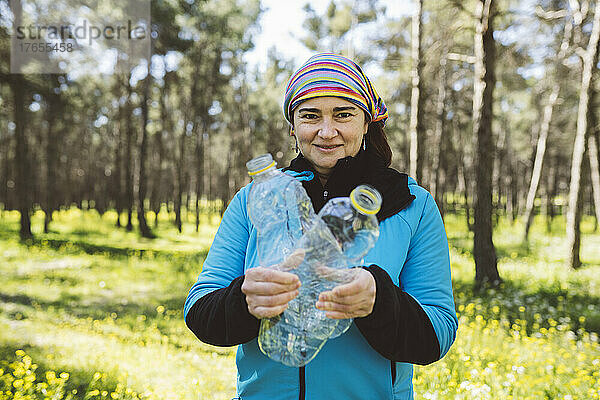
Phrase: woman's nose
(328, 129)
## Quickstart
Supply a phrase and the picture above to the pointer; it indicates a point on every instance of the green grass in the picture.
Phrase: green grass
(85, 300)
(103, 308)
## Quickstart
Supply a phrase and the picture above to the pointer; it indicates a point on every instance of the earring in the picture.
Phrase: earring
(364, 144)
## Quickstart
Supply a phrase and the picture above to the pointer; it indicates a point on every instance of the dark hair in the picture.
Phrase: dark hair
(377, 143)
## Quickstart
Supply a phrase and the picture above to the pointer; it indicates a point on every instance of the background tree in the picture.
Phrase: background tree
(417, 135)
(486, 269)
(590, 58)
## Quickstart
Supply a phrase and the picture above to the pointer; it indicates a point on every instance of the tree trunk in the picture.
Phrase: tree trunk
(157, 188)
(486, 269)
(201, 130)
(552, 185)
(117, 176)
(129, 158)
(166, 129)
(498, 173)
(189, 122)
(5, 146)
(141, 214)
(200, 167)
(51, 161)
(438, 193)
(417, 135)
(23, 182)
(244, 147)
(179, 181)
(463, 169)
(593, 156)
(576, 188)
(539, 159)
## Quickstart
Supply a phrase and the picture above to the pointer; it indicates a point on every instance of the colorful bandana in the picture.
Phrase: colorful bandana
(328, 74)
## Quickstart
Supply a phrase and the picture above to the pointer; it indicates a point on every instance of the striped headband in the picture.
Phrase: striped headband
(328, 74)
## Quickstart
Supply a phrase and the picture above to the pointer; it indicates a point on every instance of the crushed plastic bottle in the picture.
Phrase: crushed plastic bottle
(353, 223)
(336, 240)
(279, 208)
(333, 241)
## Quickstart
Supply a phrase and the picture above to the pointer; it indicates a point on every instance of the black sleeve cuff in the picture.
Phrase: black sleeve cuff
(398, 328)
(221, 318)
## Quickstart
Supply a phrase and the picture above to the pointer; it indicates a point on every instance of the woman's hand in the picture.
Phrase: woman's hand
(351, 300)
(268, 291)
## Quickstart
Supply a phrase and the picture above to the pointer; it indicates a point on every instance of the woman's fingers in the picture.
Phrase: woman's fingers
(269, 276)
(352, 300)
(267, 312)
(269, 306)
(268, 288)
(272, 301)
(292, 261)
(269, 291)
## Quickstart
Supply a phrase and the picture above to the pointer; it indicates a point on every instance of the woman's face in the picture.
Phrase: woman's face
(327, 129)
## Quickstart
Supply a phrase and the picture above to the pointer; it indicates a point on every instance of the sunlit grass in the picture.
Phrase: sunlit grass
(90, 311)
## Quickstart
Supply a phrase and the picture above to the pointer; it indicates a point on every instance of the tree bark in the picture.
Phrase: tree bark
(486, 269)
(593, 156)
(545, 127)
(5, 146)
(141, 214)
(157, 187)
(179, 185)
(510, 181)
(551, 191)
(463, 169)
(129, 158)
(416, 103)
(438, 193)
(189, 121)
(199, 171)
(539, 159)
(23, 182)
(51, 161)
(166, 129)
(117, 176)
(576, 188)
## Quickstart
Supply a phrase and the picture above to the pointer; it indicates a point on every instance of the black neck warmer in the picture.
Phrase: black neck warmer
(350, 172)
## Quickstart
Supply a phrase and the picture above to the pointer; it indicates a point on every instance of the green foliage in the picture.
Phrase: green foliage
(116, 313)
(89, 311)
(534, 337)
(22, 379)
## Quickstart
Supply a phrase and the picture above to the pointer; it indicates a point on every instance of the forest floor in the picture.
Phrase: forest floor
(90, 311)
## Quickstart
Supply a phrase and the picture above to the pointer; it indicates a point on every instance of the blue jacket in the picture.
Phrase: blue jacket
(412, 248)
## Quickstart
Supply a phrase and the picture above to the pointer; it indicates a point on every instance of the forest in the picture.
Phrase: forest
(494, 109)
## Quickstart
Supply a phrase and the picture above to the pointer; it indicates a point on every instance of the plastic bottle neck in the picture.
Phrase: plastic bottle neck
(261, 166)
(365, 200)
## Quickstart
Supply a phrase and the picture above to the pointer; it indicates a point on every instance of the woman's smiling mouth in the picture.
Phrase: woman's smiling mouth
(328, 147)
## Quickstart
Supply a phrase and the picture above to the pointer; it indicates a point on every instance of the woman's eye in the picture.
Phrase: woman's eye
(309, 116)
(344, 115)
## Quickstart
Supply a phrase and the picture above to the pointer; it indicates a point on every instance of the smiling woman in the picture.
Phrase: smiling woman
(401, 297)
(329, 129)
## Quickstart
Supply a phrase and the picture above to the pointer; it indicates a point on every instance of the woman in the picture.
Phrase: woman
(401, 300)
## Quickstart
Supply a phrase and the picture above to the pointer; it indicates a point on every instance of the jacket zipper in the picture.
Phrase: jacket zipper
(302, 384)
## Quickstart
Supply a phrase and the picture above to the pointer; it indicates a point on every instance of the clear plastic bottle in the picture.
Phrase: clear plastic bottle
(353, 223)
(281, 212)
(279, 208)
(341, 235)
